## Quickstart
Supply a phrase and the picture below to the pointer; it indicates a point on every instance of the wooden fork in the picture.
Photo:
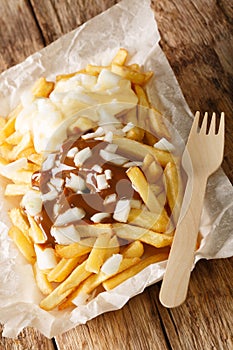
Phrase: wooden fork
(202, 157)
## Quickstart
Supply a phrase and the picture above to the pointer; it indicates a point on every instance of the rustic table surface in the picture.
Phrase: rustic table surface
(196, 36)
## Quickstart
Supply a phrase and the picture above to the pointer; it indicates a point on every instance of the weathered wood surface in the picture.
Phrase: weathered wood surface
(196, 36)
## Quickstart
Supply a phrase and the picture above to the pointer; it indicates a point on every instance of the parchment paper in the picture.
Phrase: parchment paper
(129, 24)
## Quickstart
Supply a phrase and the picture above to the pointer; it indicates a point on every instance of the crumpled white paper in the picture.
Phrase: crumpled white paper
(131, 25)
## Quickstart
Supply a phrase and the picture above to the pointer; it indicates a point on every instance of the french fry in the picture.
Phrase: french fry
(54, 298)
(26, 153)
(174, 189)
(75, 250)
(142, 97)
(130, 232)
(98, 254)
(3, 161)
(41, 279)
(78, 275)
(94, 280)
(156, 124)
(148, 220)
(63, 269)
(138, 151)
(35, 232)
(14, 138)
(93, 230)
(8, 129)
(21, 177)
(135, 133)
(113, 247)
(70, 75)
(133, 250)
(134, 76)
(2, 122)
(95, 70)
(35, 158)
(132, 271)
(141, 185)
(151, 168)
(23, 244)
(5, 151)
(42, 88)
(25, 143)
(120, 57)
(19, 220)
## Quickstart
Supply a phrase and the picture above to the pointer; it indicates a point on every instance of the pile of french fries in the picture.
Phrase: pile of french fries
(98, 262)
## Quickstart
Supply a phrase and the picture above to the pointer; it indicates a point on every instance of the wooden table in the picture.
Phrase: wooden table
(197, 39)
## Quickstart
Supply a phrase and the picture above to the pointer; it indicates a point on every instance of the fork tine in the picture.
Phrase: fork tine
(221, 128)
(212, 124)
(194, 127)
(204, 124)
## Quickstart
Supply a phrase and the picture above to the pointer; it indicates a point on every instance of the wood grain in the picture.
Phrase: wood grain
(196, 36)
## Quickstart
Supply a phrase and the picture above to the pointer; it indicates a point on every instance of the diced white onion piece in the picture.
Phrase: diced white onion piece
(49, 196)
(49, 162)
(112, 264)
(89, 180)
(122, 210)
(46, 258)
(128, 127)
(56, 209)
(75, 182)
(111, 148)
(102, 183)
(108, 174)
(71, 153)
(97, 168)
(98, 217)
(57, 182)
(32, 202)
(69, 216)
(164, 145)
(65, 235)
(111, 198)
(135, 203)
(107, 79)
(129, 164)
(99, 132)
(82, 156)
(112, 157)
(108, 137)
(61, 167)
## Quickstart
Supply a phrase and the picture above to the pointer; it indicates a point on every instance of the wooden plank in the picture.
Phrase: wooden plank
(27, 339)
(57, 17)
(19, 33)
(136, 326)
(197, 40)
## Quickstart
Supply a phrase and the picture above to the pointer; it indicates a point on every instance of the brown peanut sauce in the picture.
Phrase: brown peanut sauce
(93, 201)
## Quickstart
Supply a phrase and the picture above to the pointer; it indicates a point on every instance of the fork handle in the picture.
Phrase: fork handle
(176, 279)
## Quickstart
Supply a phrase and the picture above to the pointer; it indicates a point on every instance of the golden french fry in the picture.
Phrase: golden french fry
(142, 97)
(98, 254)
(26, 153)
(75, 250)
(132, 271)
(120, 57)
(138, 150)
(113, 247)
(133, 250)
(94, 280)
(134, 76)
(16, 190)
(151, 168)
(54, 298)
(35, 232)
(5, 151)
(174, 189)
(78, 275)
(95, 70)
(42, 88)
(152, 221)
(2, 122)
(41, 280)
(70, 75)
(26, 142)
(134, 67)
(130, 232)
(135, 133)
(141, 185)
(15, 138)
(156, 124)
(3, 161)
(19, 220)
(35, 158)
(21, 177)
(149, 139)
(93, 230)
(23, 244)
(8, 129)
(63, 269)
